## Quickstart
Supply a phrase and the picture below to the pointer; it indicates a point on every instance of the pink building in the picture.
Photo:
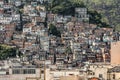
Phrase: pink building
(115, 53)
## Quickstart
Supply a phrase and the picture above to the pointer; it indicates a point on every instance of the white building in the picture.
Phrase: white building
(81, 14)
(6, 20)
(21, 73)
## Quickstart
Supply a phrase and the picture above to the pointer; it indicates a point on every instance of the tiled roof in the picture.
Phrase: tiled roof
(28, 25)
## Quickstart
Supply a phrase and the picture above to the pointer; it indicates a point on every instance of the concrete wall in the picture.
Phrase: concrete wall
(72, 77)
(117, 76)
(52, 75)
(99, 70)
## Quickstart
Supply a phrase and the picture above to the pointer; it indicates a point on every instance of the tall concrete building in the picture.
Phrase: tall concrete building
(115, 53)
(81, 14)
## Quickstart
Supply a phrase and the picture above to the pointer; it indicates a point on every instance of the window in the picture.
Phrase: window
(100, 75)
(29, 71)
(32, 71)
(16, 71)
(113, 76)
(42, 71)
(23, 71)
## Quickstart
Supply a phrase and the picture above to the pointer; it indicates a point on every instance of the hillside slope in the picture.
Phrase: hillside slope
(110, 10)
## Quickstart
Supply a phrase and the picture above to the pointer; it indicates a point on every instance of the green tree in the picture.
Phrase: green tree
(96, 18)
(68, 50)
(7, 51)
(53, 30)
(65, 7)
(117, 28)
